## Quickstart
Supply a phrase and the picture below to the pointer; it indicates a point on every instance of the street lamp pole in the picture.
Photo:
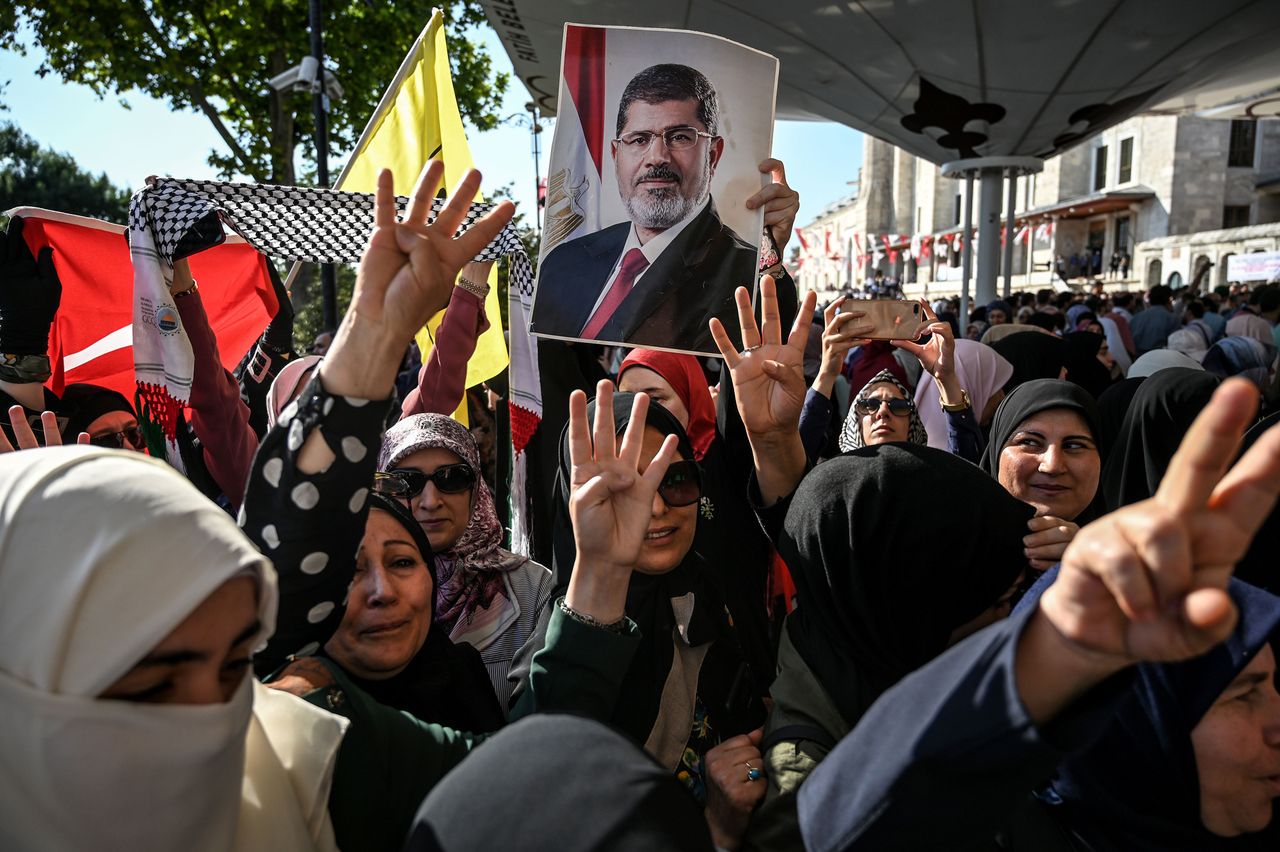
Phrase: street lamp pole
(319, 107)
(536, 130)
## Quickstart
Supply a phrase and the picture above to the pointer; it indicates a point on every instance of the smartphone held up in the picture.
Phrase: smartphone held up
(891, 319)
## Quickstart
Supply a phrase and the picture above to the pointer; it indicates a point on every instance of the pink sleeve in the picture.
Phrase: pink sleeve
(443, 379)
(219, 417)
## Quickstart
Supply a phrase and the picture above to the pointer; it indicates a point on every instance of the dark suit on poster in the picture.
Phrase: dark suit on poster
(691, 281)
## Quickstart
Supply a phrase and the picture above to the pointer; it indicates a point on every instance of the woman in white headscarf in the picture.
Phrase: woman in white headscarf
(1115, 344)
(129, 606)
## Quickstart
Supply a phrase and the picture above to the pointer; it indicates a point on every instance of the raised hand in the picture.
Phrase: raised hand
(1148, 582)
(406, 275)
(938, 356)
(781, 203)
(610, 501)
(1047, 541)
(768, 375)
(837, 340)
(409, 268)
(768, 380)
(26, 438)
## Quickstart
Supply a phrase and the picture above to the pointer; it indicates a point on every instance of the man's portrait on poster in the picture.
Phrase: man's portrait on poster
(658, 277)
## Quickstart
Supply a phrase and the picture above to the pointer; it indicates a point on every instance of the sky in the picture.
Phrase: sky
(146, 137)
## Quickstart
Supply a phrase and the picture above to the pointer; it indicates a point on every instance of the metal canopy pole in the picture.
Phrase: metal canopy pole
(990, 186)
(966, 256)
(1008, 236)
(991, 170)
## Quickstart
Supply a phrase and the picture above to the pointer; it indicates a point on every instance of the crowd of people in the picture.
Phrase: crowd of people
(1008, 585)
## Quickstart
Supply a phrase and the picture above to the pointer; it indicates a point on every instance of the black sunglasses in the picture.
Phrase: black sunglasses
(870, 405)
(115, 440)
(682, 485)
(408, 482)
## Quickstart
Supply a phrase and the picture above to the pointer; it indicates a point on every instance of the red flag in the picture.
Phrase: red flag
(92, 335)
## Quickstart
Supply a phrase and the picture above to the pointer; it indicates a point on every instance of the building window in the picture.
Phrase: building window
(959, 211)
(1240, 151)
(1099, 167)
(1235, 215)
(1126, 161)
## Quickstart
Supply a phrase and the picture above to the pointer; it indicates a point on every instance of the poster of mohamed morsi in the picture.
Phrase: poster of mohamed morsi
(656, 146)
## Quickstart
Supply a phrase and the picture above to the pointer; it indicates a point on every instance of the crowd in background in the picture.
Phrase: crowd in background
(1007, 585)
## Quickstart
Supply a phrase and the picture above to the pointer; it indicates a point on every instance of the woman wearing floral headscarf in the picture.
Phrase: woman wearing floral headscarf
(487, 597)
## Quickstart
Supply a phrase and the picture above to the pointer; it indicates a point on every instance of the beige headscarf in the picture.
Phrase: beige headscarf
(102, 554)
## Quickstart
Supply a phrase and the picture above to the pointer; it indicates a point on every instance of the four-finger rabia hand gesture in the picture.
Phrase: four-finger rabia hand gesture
(768, 375)
(1148, 582)
(26, 438)
(611, 499)
(408, 269)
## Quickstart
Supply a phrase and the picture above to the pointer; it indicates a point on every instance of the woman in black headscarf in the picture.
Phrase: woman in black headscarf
(1153, 780)
(1034, 355)
(379, 632)
(1084, 367)
(623, 800)
(1043, 450)
(1113, 405)
(1160, 414)
(1261, 565)
(676, 599)
(870, 610)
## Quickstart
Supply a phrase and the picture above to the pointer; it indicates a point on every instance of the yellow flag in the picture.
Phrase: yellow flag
(416, 121)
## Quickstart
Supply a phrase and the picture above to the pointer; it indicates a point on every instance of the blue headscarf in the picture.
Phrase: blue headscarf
(1241, 356)
(1137, 788)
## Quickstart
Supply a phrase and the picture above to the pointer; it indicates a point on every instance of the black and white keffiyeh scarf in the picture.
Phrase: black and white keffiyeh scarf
(171, 219)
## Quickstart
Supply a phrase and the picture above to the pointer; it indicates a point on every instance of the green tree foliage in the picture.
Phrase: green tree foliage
(216, 56)
(33, 176)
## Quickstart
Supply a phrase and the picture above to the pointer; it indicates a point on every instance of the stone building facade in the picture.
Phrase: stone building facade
(1173, 192)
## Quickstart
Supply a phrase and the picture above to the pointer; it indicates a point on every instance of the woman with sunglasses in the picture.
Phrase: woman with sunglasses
(105, 414)
(690, 695)
(487, 597)
(884, 410)
(726, 522)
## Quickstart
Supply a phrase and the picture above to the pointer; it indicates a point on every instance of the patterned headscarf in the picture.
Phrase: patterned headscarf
(851, 434)
(470, 572)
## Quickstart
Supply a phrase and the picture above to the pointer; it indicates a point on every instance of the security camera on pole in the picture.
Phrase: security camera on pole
(309, 76)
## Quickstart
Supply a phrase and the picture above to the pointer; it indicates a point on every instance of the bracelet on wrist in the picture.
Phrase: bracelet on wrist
(187, 292)
(582, 618)
(955, 406)
(480, 291)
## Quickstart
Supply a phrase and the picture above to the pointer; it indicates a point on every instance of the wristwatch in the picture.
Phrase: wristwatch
(959, 406)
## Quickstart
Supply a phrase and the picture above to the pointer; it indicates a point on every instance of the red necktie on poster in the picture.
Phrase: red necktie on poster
(632, 265)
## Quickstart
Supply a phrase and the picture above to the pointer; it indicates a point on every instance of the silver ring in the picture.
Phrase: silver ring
(753, 774)
(752, 348)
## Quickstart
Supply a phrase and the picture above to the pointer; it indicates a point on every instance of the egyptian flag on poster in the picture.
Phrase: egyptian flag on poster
(92, 336)
(572, 191)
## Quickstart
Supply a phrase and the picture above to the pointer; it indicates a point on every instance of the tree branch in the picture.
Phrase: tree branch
(198, 97)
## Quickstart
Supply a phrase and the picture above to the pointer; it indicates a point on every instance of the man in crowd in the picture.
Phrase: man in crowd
(1152, 327)
(656, 278)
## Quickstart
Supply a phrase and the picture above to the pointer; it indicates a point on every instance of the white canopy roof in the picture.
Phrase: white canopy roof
(946, 79)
